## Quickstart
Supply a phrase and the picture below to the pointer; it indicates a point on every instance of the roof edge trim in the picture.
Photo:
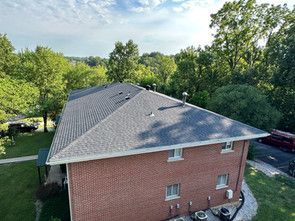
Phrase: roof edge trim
(152, 149)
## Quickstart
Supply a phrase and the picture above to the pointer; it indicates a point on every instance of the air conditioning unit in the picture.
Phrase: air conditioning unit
(229, 194)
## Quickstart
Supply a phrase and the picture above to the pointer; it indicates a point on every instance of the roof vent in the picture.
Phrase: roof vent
(184, 96)
(148, 87)
(154, 87)
(121, 92)
(127, 96)
(151, 114)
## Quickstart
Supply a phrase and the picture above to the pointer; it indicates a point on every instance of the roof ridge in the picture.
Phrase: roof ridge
(92, 128)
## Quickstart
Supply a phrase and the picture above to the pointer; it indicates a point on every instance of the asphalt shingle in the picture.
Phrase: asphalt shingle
(100, 121)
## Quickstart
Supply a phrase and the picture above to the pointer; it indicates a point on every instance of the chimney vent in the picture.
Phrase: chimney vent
(154, 87)
(184, 96)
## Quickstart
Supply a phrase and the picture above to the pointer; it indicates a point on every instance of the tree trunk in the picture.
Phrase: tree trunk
(45, 122)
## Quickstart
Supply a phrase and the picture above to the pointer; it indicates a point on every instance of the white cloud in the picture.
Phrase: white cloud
(90, 27)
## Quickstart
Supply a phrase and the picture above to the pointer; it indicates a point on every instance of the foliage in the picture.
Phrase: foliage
(46, 191)
(251, 152)
(81, 75)
(275, 195)
(16, 97)
(246, 104)
(45, 69)
(123, 61)
(8, 58)
(162, 65)
(96, 61)
(57, 207)
(240, 27)
(282, 58)
(4, 141)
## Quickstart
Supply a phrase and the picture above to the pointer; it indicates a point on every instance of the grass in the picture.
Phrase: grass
(56, 207)
(18, 186)
(275, 196)
(28, 144)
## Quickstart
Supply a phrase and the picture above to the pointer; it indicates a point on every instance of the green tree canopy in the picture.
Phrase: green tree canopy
(45, 69)
(246, 104)
(123, 61)
(241, 26)
(81, 75)
(8, 58)
(16, 97)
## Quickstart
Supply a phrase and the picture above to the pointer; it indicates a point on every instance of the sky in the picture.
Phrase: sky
(91, 27)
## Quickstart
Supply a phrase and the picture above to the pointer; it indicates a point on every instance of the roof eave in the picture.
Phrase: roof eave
(152, 149)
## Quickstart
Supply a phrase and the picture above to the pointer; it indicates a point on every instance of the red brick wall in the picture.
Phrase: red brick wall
(134, 187)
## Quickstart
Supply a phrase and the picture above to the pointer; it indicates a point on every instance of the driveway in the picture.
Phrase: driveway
(273, 156)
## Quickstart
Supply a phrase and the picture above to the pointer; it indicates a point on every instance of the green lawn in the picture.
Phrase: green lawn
(18, 186)
(275, 196)
(28, 144)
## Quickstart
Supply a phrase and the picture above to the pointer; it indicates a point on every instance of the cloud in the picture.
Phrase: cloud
(90, 27)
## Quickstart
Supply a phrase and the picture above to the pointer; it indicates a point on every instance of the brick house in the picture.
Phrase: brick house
(135, 154)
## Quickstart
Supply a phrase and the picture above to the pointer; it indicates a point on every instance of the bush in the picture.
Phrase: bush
(251, 152)
(50, 190)
(57, 207)
(54, 219)
(246, 104)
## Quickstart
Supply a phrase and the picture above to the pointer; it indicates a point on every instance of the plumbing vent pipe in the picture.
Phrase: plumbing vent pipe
(154, 87)
(184, 96)
(148, 87)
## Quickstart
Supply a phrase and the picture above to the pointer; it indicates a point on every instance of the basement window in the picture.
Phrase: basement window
(173, 191)
(227, 147)
(175, 154)
(222, 181)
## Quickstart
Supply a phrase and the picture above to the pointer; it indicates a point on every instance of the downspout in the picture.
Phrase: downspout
(240, 167)
(69, 192)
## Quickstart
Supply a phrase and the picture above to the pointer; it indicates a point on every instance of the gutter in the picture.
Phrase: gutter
(150, 149)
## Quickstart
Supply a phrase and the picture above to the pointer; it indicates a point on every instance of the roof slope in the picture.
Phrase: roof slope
(86, 108)
(131, 128)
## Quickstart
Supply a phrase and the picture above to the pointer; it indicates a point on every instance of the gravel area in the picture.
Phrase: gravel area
(267, 169)
(246, 213)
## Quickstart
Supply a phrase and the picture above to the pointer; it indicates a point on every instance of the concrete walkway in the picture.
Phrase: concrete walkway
(18, 159)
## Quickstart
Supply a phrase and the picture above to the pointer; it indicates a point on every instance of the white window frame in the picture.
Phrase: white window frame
(225, 183)
(173, 196)
(227, 147)
(177, 154)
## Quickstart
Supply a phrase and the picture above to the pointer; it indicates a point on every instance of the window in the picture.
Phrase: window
(228, 146)
(172, 191)
(175, 154)
(222, 181)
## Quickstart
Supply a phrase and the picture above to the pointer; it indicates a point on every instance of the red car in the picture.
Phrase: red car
(280, 139)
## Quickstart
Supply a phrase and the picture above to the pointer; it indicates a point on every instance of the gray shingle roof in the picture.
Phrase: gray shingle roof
(100, 122)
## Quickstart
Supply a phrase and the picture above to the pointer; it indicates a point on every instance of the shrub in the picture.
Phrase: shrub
(57, 207)
(54, 219)
(50, 190)
(251, 152)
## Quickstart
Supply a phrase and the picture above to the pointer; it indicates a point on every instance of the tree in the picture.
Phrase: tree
(96, 61)
(45, 69)
(246, 104)
(81, 75)
(282, 57)
(123, 61)
(16, 97)
(144, 76)
(241, 26)
(166, 68)
(8, 58)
